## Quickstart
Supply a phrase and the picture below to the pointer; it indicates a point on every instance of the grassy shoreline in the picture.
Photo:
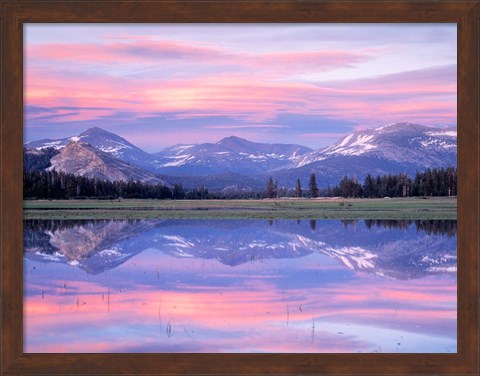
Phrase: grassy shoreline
(322, 208)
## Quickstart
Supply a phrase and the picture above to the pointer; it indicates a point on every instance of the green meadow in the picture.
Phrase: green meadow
(322, 208)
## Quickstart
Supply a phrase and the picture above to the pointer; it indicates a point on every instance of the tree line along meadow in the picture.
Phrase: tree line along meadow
(59, 185)
(431, 182)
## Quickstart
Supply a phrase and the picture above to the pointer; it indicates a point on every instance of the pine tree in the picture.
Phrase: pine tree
(298, 189)
(270, 188)
(343, 187)
(178, 192)
(313, 186)
(368, 187)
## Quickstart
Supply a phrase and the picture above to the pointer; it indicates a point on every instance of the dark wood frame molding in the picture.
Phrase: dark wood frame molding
(16, 12)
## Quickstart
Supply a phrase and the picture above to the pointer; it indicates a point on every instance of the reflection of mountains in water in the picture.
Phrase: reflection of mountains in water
(93, 245)
(398, 249)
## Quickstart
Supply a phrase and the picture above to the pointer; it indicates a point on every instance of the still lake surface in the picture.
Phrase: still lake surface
(240, 286)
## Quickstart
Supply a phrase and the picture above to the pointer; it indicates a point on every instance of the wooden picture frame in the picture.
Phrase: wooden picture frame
(14, 13)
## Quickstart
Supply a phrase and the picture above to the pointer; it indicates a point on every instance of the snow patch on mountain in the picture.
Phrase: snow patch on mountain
(110, 253)
(53, 144)
(443, 133)
(353, 257)
(308, 160)
(178, 241)
(178, 160)
(352, 145)
(346, 140)
(442, 269)
(437, 143)
(55, 257)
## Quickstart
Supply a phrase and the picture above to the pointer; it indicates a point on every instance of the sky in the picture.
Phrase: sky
(163, 84)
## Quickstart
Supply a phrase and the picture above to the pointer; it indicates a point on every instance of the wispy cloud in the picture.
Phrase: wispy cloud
(168, 51)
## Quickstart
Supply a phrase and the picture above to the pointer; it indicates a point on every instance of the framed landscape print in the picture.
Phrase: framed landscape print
(251, 187)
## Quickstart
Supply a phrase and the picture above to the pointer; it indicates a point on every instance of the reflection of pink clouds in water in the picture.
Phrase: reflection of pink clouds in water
(252, 315)
(245, 318)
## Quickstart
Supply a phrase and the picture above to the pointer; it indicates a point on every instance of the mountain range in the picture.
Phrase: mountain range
(243, 164)
(229, 155)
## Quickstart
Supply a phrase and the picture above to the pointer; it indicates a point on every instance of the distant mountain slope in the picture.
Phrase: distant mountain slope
(229, 155)
(226, 182)
(37, 160)
(401, 142)
(83, 159)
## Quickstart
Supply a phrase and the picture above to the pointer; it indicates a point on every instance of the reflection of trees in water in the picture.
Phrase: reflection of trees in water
(63, 224)
(430, 226)
(388, 223)
(349, 222)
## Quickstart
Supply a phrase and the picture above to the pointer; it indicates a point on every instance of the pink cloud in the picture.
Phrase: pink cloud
(149, 51)
(252, 93)
(136, 51)
(62, 115)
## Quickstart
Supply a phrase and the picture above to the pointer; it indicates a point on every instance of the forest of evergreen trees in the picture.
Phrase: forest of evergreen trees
(431, 182)
(58, 185)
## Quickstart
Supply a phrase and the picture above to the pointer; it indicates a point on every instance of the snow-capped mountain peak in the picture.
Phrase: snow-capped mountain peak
(229, 155)
(400, 142)
(105, 141)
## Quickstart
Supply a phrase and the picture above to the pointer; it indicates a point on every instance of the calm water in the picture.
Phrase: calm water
(240, 286)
